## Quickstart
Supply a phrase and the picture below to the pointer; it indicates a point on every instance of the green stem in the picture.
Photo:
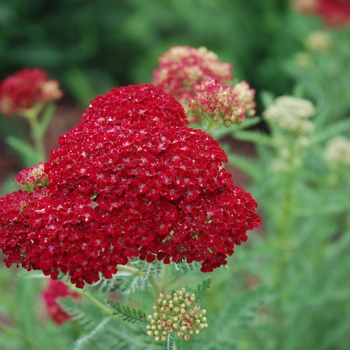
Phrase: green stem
(37, 138)
(284, 229)
(163, 277)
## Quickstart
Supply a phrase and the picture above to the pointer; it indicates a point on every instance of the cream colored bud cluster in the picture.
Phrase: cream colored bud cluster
(319, 41)
(337, 152)
(176, 53)
(176, 313)
(292, 114)
(245, 97)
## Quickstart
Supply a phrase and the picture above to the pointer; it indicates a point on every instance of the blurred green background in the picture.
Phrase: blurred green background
(93, 45)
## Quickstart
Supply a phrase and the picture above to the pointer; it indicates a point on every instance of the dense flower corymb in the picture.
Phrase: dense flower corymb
(176, 313)
(53, 291)
(130, 187)
(182, 67)
(26, 88)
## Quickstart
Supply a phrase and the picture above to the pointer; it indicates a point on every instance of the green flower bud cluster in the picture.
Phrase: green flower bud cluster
(291, 114)
(175, 313)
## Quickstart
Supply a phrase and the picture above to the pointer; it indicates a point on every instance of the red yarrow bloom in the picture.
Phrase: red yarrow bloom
(334, 13)
(182, 67)
(52, 292)
(126, 185)
(25, 89)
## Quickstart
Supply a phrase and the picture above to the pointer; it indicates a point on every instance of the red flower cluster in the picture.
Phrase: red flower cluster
(182, 67)
(53, 291)
(26, 88)
(333, 12)
(131, 180)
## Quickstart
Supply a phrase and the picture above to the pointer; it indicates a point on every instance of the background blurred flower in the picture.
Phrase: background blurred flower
(53, 291)
(182, 67)
(292, 114)
(333, 12)
(337, 152)
(25, 89)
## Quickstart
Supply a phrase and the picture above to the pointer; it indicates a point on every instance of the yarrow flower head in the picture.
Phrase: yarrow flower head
(32, 177)
(182, 67)
(25, 89)
(337, 152)
(333, 12)
(291, 114)
(176, 313)
(52, 292)
(130, 181)
(217, 102)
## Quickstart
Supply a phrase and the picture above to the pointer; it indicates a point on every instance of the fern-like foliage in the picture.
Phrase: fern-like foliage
(82, 312)
(84, 340)
(184, 266)
(169, 344)
(129, 282)
(127, 313)
(227, 328)
(202, 289)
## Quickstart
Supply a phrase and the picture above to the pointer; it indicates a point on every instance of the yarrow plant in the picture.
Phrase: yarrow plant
(135, 205)
(132, 182)
(123, 184)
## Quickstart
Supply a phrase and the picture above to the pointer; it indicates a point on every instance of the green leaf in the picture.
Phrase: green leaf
(267, 98)
(126, 313)
(25, 150)
(331, 131)
(169, 344)
(255, 137)
(202, 289)
(80, 343)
